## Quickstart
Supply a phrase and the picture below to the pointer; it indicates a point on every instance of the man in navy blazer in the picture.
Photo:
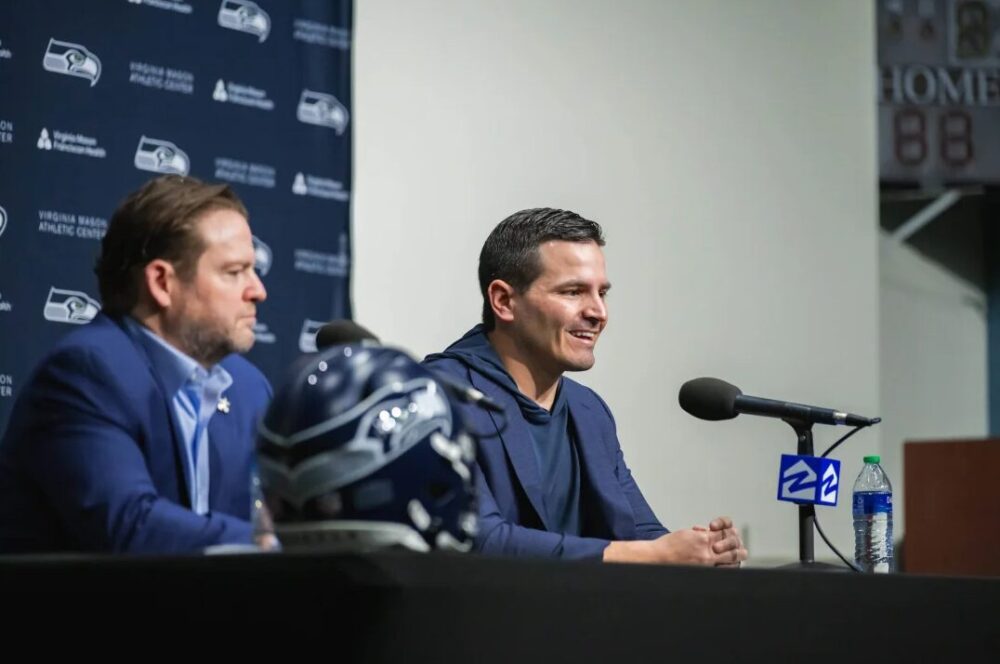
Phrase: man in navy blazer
(136, 433)
(551, 476)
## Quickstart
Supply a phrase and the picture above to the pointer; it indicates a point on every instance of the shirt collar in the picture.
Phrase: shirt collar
(529, 407)
(174, 367)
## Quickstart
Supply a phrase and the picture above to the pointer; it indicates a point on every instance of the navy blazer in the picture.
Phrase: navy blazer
(512, 514)
(92, 459)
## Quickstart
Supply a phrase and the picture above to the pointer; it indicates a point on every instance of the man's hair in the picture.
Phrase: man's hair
(510, 253)
(157, 221)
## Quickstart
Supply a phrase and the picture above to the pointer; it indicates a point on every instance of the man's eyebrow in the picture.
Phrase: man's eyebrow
(576, 283)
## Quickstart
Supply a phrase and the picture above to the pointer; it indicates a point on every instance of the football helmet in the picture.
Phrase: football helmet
(361, 448)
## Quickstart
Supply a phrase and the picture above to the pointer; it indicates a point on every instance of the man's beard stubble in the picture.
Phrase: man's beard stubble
(205, 345)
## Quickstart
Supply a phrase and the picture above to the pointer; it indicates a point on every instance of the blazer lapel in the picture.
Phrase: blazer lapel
(516, 442)
(599, 471)
(179, 447)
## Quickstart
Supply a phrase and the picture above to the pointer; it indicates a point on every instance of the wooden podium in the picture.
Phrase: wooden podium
(952, 507)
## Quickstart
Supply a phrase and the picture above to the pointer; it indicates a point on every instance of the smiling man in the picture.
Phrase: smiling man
(552, 479)
(135, 434)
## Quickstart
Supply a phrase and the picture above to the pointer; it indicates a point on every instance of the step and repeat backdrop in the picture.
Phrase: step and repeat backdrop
(98, 97)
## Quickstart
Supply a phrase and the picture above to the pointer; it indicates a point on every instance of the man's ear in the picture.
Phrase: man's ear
(501, 296)
(160, 279)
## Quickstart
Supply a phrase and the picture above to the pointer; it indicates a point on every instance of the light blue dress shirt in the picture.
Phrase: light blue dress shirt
(195, 394)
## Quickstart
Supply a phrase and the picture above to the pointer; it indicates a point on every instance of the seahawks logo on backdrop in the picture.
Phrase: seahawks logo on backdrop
(245, 16)
(160, 156)
(3, 220)
(262, 256)
(72, 60)
(307, 337)
(322, 109)
(70, 306)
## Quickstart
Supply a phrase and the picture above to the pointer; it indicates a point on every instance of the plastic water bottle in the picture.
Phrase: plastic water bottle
(873, 518)
(263, 526)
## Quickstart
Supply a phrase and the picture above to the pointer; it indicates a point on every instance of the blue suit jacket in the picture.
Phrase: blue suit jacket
(92, 459)
(512, 513)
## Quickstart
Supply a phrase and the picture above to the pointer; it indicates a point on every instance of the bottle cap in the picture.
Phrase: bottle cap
(873, 459)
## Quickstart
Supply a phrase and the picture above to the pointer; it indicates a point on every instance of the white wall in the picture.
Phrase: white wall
(933, 359)
(728, 148)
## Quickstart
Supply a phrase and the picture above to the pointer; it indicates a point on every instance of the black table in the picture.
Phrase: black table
(407, 607)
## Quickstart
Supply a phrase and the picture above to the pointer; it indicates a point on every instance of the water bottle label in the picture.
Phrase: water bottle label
(872, 503)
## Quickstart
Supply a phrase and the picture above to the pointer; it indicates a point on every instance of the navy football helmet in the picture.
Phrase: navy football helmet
(362, 448)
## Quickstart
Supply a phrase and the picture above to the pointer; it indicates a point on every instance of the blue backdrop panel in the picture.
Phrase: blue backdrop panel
(98, 97)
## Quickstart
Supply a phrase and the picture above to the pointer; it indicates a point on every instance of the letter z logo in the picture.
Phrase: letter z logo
(798, 482)
(808, 479)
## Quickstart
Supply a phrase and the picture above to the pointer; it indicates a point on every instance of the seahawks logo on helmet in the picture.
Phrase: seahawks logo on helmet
(361, 449)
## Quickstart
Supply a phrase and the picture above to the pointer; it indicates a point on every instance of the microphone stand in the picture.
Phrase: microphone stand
(807, 511)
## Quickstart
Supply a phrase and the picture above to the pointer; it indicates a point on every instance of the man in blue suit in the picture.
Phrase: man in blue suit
(136, 433)
(551, 476)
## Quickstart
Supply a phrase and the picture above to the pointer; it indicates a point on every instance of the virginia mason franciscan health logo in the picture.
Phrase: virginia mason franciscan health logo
(262, 334)
(159, 156)
(72, 60)
(245, 16)
(242, 94)
(44, 141)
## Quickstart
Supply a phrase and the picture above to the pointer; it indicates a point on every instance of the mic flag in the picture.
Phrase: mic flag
(808, 479)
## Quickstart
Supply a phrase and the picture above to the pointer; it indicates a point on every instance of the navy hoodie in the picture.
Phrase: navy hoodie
(551, 433)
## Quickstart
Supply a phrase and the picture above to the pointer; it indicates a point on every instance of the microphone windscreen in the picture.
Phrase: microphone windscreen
(709, 398)
(340, 332)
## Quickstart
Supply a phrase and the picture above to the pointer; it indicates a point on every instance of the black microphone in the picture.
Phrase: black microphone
(466, 393)
(714, 399)
(340, 332)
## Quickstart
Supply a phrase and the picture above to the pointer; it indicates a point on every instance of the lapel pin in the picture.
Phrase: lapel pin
(223, 406)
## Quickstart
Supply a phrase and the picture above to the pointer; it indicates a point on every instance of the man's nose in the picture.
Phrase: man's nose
(256, 291)
(597, 309)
